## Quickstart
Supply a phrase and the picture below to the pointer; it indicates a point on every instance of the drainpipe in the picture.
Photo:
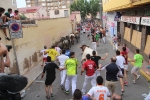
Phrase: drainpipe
(13, 45)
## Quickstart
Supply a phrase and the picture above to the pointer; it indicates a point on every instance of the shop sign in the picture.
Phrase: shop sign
(145, 21)
(130, 19)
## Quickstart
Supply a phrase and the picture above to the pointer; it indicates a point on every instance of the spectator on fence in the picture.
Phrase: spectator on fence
(16, 15)
(3, 22)
(7, 14)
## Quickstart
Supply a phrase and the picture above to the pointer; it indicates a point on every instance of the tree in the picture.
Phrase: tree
(94, 7)
(86, 7)
(23, 17)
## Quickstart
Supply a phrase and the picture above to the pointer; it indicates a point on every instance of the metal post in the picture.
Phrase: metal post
(13, 45)
(101, 12)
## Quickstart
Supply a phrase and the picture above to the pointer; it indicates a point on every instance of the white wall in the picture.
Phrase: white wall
(8, 4)
(61, 13)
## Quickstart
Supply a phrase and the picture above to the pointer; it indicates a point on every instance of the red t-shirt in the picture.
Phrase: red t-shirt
(125, 55)
(89, 66)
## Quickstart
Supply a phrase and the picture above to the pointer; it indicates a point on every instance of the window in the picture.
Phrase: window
(43, 0)
(43, 4)
(138, 28)
(13, 3)
(56, 12)
(28, 5)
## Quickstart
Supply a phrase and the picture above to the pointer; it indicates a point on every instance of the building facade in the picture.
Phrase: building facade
(8, 4)
(133, 22)
(50, 4)
(36, 12)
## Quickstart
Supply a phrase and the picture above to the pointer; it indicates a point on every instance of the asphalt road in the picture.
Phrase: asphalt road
(132, 91)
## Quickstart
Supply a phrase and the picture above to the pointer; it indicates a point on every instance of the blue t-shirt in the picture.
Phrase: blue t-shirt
(67, 53)
(85, 98)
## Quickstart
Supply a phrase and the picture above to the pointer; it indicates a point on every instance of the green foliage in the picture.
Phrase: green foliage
(86, 7)
(23, 17)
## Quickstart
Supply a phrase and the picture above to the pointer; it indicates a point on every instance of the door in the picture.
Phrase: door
(66, 13)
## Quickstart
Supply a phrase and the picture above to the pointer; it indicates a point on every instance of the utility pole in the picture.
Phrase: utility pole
(101, 12)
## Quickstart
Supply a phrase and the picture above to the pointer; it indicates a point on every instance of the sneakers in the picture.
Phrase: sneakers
(138, 76)
(52, 95)
(62, 87)
(125, 83)
(122, 92)
(134, 81)
(67, 92)
(7, 38)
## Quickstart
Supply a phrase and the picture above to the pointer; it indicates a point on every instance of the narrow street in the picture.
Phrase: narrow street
(132, 92)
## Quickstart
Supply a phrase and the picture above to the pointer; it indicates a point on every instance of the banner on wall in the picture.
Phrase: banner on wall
(130, 19)
(145, 21)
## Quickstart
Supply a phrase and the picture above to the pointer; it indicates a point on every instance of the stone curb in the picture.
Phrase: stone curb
(33, 80)
(141, 70)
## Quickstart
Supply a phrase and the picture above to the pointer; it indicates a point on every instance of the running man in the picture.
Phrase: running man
(120, 62)
(71, 68)
(99, 92)
(49, 68)
(44, 55)
(52, 53)
(138, 61)
(90, 68)
(125, 55)
(96, 58)
(115, 44)
(113, 71)
(62, 58)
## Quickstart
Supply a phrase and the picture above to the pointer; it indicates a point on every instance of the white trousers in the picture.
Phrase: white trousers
(74, 82)
(115, 46)
(89, 78)
(94, 45)
(62, 76)
(104, 39)
(97, 73)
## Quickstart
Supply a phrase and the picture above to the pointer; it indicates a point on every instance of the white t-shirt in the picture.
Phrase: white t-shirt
(58, 49)
(99, 92)
(120, 61)
(42, 51)
(62, 58)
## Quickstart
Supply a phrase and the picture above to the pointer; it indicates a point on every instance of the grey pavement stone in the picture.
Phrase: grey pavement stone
(132, 91)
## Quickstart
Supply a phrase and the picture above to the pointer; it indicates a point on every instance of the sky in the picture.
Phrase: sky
(21, 3)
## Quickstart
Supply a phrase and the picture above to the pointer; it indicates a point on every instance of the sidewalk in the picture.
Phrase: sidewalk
(131, 56)
(33, 74)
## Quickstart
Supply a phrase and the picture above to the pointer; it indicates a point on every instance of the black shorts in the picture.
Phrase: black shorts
(122, 71)
(49, 80)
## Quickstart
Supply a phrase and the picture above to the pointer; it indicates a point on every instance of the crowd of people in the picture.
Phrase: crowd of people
(7, 16)
(68, 64)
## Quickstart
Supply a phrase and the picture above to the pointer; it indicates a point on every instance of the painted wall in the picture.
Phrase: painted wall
(34, 38)
(111, 4)
(8, 4)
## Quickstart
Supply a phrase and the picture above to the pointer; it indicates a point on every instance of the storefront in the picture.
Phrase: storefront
(135, 30)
